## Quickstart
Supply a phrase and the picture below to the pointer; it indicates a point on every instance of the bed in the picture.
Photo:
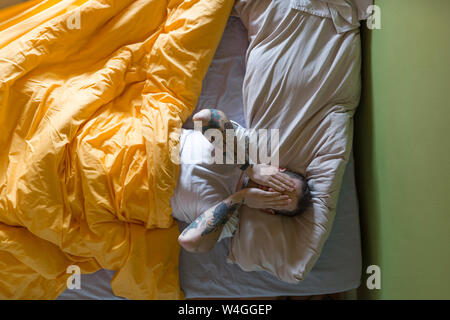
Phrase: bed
(209, 274)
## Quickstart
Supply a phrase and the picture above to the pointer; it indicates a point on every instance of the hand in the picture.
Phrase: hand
(260, 199)
(270, 176)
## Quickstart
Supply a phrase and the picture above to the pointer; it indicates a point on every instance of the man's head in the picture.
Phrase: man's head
(301, 196)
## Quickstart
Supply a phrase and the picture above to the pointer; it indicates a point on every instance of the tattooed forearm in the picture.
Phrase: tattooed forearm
(202, 234)
(193, 225)
(220, 216)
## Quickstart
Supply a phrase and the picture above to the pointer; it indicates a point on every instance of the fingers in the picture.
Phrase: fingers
(278, 201)
(281, 197)
(276, 186)
(282, 178)
(278, 204)
(286, 179)
(271, 194)
(280, 183)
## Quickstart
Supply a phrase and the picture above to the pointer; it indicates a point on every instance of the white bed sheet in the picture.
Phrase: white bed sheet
(208, 274)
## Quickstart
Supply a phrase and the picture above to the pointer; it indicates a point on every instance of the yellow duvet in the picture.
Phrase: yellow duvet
(92, 93)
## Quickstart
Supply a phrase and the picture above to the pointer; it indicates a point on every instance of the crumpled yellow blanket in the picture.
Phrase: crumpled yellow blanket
(92, 94)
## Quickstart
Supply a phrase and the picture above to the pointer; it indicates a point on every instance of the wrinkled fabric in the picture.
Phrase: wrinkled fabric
(345, 14)
(303, 79)
(92, 96)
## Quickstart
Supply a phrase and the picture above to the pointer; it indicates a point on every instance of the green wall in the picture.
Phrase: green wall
(402, 150)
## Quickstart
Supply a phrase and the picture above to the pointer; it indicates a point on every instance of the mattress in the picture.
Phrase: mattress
(208, 274)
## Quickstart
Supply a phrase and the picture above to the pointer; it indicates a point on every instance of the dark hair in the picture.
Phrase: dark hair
(303, 202)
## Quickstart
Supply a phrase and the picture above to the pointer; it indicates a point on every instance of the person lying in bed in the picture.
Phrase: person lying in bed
(201, 184)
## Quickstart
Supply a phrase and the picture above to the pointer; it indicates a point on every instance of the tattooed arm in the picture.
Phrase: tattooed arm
(263, 174)
(203, 233)
(217, 119)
